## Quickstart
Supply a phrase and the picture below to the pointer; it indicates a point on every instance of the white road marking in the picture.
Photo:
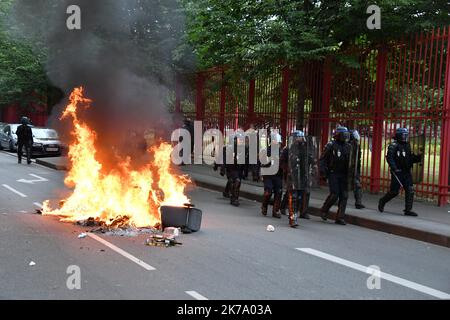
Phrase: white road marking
(40, 179)
(23, 211)
(122, 252)
(14, 190)
(383, 275)
(196, 295)
(37, 204)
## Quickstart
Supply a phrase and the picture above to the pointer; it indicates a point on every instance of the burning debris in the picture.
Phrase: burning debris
(120, 196)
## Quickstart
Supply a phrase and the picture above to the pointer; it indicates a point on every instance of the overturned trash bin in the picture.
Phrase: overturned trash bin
(187, 217)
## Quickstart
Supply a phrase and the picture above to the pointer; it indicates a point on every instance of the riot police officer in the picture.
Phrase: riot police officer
(334, 165)
(236, 166)
(297, 160)
(24, 139)
(273, 184)
(400, 159)
(226, 191)
(356, 155)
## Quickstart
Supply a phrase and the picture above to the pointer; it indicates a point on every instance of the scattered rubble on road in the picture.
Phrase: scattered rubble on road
(82, 235)
(162, 240)
(32, 263)
(270, 228)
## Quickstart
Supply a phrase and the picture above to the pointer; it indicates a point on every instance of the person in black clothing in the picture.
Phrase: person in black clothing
(222, 171)
(400, 159)
(235, 168)
(297, 162)
(24, 140)
(334, 165)
(273, 184)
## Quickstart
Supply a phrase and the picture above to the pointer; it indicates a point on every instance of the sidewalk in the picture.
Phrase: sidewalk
(432, 225)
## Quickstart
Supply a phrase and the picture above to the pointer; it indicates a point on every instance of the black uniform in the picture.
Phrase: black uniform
(334, 165)
(24, 140)
(234, 170)
(400, 159)
(273, 184)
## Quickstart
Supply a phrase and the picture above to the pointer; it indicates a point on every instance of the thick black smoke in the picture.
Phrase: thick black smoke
(122, 56)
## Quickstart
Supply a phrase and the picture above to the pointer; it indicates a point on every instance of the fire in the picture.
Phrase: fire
(122, 194)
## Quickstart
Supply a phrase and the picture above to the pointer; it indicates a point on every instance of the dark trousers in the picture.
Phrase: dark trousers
(406, 181)
(273, 184)
(20, 146)
(338, 184)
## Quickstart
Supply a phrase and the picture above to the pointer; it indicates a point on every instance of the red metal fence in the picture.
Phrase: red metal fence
(401, 84)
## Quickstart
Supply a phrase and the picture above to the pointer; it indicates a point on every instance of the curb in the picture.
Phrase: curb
(51, 165)
(398, 230)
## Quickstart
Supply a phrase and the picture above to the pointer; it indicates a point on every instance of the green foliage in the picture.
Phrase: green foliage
(239, 33)
(22, 76)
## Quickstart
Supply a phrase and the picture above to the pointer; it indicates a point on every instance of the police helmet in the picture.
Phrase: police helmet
(342, 134)
(402, 134)
(24, 120)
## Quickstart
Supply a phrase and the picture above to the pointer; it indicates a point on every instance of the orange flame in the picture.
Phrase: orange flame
(120, 193)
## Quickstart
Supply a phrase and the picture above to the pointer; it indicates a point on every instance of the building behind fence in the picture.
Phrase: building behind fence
(401, 84)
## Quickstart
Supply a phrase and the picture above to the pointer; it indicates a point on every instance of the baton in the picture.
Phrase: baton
(393, 173)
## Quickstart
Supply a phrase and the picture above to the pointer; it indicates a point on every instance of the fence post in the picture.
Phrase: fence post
(200, 101)
(324, 115)
(223, 96)
(251, 101)
(284, 102)
(445, 134)
(377, 140)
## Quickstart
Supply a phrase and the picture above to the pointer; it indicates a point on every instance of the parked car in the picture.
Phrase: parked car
(8, 137)
(46, 142)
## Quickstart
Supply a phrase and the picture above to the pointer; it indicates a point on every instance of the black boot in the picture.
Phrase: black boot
(329, 202)
(265, 202)
(340, 217)
(386, 198)
(409, 199)
(234, 200)
(226, 192)
(292, 212)
(358, 199)
(276, 205)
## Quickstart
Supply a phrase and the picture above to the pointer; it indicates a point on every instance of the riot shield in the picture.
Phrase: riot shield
(313, 155)
(302, 164)
(417, 147)
(353, 164)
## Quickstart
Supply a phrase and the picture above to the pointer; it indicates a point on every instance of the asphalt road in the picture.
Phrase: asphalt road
(232, 257)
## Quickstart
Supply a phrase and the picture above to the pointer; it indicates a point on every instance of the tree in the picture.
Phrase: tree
(253, 35)
(22, 76)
